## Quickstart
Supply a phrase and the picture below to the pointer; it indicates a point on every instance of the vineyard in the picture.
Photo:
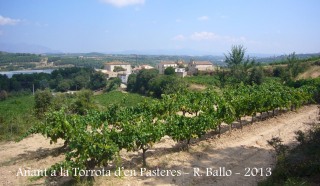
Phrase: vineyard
(95, 139)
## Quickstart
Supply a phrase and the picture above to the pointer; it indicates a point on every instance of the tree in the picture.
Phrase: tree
(118, 69)
(222, 77)
(83, 102)
(97, 81)
(235, 58)
(169, 71)
(165, 85)
(80, 82)
(238, 64)
(3, 95)
(256, 75)
(64, 86)
(42, 102)
(294, 67)
(113, 84)
(143, 78)
(131, 84)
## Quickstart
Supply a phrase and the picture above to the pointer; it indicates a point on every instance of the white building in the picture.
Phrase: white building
(181, 72)
(111, 66)
(118, 69)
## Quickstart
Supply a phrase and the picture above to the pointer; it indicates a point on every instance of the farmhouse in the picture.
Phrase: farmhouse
(165, 64)
(140, 67)
(118, 66)
(196, 66)
(117, 69)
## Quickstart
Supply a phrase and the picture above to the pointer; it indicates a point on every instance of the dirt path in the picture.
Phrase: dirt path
(232, 154)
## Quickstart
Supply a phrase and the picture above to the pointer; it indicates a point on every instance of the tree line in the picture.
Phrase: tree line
(7, 58)
(61, 80)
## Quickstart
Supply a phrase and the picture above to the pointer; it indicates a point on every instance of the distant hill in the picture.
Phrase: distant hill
(26, 48)
(279, 58)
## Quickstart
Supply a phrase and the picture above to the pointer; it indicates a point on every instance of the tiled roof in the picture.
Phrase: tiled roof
(202, 63)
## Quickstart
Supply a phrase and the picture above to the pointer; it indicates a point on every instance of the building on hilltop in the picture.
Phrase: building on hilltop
(140, 67)
(165, 64)
(118, 66)
(180, 67)
(197, 66)
(117, 69)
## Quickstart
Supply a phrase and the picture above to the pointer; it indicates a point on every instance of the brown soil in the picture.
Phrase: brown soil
(312, 72)
(237, 152)
(194, 86)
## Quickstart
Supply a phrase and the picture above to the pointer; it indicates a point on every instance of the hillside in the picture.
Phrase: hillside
(312, 72)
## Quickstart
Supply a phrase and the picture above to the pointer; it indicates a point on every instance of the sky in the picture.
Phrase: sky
(207, 26)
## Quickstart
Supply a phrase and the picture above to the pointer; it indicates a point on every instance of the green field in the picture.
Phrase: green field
(124, 99)
(16, 116)
(201, 79)
(16, 113)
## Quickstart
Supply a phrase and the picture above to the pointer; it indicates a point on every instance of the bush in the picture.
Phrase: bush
(113, 84)
(3, 95)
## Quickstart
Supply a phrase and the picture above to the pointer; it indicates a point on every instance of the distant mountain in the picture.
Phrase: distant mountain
(26, 48)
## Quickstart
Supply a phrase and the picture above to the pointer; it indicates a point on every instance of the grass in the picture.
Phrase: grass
(16, 113)
(202, 79)
(125, 99)
(16, 116)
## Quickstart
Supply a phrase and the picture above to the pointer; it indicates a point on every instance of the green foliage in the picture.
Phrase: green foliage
(279, 72)
(142, 80)
(131, 84)
(238, 64)
(169, 71)
(222, 76)
(97, 81)
(300, 165)
(3, 95)
(151, 83)
(118, 69)
(113, 84)
(117, 97)
(96, 137)
(64, 86)
(256, 75)
(78, 62)
(165, 85)
(202, 79)
(235, 57)
(18, 58)
(42, 102)
(15, 116)
(83, 102)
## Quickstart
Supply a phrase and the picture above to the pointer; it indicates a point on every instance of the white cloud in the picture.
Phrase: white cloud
(203, 18)
(179, 38)
(123, 3)
(210, 36)
(8, 21)
(198, 36)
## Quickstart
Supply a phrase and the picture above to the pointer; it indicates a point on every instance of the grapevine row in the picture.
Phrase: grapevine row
(96, 138)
